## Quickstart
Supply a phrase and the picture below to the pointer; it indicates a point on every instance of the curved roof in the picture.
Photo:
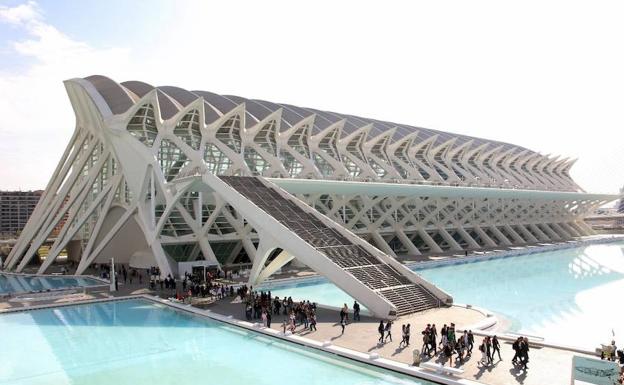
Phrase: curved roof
(120, 97)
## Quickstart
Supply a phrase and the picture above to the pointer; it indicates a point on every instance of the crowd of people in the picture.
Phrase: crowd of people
(263, 306)
(521, 352)
(450, 344)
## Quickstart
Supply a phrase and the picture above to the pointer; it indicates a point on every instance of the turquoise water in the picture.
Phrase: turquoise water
(568, 296)
(138, 342)
(17, 283)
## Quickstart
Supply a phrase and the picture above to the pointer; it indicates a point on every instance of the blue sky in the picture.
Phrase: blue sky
(546, 75)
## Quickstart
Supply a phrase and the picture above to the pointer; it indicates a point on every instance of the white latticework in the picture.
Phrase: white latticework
(132, 181)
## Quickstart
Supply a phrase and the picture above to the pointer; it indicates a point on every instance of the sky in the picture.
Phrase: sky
(546, 75)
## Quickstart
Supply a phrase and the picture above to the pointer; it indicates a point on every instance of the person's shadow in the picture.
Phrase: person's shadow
(519, 374)
(399, 350)
(482, 368)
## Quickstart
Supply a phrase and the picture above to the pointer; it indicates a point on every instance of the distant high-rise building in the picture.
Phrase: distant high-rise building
(15, 209)
(620, 204)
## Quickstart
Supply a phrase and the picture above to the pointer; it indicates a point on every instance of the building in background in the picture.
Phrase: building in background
(161, 175)
(15, 209)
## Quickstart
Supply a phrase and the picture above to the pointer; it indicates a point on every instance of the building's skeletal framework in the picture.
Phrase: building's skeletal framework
(137, 181)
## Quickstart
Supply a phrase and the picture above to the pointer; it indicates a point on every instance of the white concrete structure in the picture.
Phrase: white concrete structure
(141, 177)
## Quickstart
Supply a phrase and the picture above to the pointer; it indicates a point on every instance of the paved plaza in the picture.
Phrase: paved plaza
(547, 365)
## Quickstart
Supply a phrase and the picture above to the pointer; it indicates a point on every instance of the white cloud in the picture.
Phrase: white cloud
(37, 120)
(21, 14)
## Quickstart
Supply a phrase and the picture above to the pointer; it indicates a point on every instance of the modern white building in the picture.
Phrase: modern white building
(159, 175)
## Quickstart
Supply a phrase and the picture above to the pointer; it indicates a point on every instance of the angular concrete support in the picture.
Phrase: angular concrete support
(484, 236)
(429, 241)
(568, 232)
(165, 264)
(540, 234)
(411, 248)
(276, 264)
(471, 241)
(514, 234)
(207, 251)
(501, 237)
(382, 244)
(527, 234)
(87, 259)
(553, 235)
(449, 239)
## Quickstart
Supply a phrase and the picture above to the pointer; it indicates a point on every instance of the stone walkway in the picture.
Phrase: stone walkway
(547, 366)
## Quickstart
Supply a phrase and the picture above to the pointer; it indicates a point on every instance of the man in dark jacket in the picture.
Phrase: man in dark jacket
(516, 349)
(496, 348)
(356, 311)
(524, 352)
(381, 330)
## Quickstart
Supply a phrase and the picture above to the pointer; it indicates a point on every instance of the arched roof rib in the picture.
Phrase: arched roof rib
(288, 116)
(180, 95)
(222, 104)
(323, 119)
(258, 111)
(215, 104)
(168, 107)
(298, 111)
(120, 97)
(138, 88)
(113, 94)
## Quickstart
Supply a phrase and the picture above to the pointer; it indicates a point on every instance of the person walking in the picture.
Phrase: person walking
(388, 330)
(460, 347)
(305, 315)
(444, 340)
(433, 339)
(402, 336)
(496, 348)
(470, 341)
(426, 347)
(484, 360)
(516, 348)
(356, 311)
(488, 350)
(407, 334)
(343, 313)
(524, 352)
(448, 353)
(466, 342)
(380, 330)
(264, 318)
(313, 322)
(451, 333)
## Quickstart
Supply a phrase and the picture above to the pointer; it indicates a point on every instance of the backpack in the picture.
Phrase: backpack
(481, 348)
